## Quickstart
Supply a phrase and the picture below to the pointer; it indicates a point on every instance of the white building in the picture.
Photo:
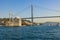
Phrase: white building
(15, 22)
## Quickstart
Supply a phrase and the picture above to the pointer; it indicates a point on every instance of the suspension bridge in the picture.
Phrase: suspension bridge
(32, 13)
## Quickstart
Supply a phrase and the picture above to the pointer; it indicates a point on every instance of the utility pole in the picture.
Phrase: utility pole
(32, 14)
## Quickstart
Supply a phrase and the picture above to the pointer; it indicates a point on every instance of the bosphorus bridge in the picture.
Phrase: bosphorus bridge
(37, 17)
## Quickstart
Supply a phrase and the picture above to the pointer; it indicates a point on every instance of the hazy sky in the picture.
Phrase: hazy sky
(22, 7)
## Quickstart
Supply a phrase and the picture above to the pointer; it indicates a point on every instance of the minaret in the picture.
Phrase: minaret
(11, 22)
(10, 17)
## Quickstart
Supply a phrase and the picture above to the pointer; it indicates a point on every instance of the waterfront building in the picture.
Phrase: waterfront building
(14, 22)
(17, 21)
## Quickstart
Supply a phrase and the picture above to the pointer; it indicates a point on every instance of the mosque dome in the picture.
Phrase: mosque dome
(17, 17)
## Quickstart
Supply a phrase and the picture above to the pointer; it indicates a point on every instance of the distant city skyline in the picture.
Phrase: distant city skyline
(16, 6)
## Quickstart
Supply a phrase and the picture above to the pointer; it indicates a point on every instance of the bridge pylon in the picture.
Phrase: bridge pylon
(32, 14)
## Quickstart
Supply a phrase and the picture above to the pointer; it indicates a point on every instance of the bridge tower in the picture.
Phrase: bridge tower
(32, 14)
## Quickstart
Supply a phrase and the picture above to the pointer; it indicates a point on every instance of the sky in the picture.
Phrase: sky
(22, 8)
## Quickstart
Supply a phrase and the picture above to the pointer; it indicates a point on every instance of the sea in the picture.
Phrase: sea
(36, 32)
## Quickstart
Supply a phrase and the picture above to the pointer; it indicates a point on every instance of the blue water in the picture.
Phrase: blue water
(30, 33)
